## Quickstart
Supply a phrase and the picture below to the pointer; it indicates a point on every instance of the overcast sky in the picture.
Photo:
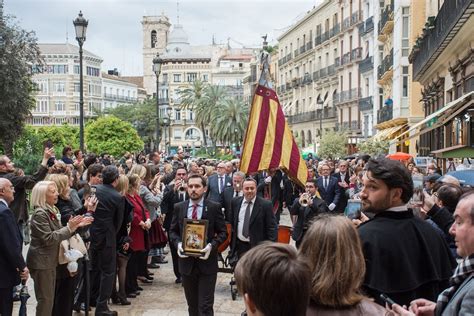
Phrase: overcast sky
(115, 31)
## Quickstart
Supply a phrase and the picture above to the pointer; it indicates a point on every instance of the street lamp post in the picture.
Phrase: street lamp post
(320, 102)
(168, 113)
(157, 62)
(80, 25)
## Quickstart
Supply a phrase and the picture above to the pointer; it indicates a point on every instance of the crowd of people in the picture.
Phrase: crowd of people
(408, 249)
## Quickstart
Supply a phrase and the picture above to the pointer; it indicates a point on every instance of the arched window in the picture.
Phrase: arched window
(153, 39)
(303, 140)
(310, 137)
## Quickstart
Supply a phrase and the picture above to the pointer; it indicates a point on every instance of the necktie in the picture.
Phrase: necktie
(195, 211)
(245, 229)
(325, 182)
(221, 184)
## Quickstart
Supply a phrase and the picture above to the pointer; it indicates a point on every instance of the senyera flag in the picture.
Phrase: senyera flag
(269, 142)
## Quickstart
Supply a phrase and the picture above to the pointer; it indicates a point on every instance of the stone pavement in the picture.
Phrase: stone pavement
(164, 297)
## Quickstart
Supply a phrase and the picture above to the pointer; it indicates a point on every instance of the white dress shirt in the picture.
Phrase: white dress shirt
(240, 225)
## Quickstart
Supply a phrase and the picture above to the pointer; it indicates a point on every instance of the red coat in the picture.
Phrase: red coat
(137, 234)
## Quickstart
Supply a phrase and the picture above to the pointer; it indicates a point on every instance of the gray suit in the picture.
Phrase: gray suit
(462, 302)
(42, 258)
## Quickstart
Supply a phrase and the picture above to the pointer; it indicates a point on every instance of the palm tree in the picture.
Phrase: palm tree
(212, 100)
(230, 121)
(191, 98)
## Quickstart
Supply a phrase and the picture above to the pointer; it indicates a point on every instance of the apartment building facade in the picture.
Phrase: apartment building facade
(443, 63)
(397, 105)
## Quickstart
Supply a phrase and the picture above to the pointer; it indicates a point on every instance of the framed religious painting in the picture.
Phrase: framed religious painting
(194, 236)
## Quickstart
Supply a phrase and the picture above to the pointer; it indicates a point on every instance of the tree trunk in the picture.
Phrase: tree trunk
(8, 147)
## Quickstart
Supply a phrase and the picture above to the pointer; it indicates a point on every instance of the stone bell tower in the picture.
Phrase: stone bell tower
(155, 38)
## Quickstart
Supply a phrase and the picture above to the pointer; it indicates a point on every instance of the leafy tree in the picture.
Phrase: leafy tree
(333, 145)
(60, 135)
(112, 135)
(191, 98)
(18, 52)
(374, 147)
(28, 150)
(230, 121)
(141, 115)
(213, 98)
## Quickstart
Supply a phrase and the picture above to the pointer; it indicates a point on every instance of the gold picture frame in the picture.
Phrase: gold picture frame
(194, 236)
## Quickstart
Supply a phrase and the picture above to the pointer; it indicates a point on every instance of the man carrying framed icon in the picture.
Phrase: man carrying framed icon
(197, 230)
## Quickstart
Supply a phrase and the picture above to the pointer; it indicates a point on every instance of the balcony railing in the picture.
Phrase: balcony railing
(449, 20)
(356, 54)
(366, 65)
(323, 72)
(119, 97)
(311, 116)
(366, 104)
(325, 36)
(346, 24)
(296, 53)
(337, 61)
(346, 58)
(309, 45)
(302, 49)
(387, 63)
(347, 96)
(335, 30)
(386, 16)
(385, 114)
(355, 18)
(331, 70)
(163, 101)
(317, 40)
(367, 26)
(316, 75)
(307, 78)
(355, 125)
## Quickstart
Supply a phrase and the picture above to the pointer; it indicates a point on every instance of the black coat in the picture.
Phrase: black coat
(170, 198)
(227, 198)
(108, 216)
(21, 184)
(343, 198)
(262, 226)
(216, 235)
(305, 216)
(11, 242)
(405, 258)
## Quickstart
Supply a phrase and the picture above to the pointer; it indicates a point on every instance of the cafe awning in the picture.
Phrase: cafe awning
(387, 133)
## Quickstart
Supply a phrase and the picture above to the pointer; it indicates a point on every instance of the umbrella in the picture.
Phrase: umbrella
(466, 177)
(24, 296)
(399, 156)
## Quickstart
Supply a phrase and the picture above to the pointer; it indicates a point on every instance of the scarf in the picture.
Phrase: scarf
(462, 272)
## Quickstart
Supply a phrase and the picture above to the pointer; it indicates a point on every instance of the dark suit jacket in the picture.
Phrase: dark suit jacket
(343, 197)
(227, 197)
(213, 187)
(21, 184)
(170, 198)
(263, 225)
(306, 215)
(216, 235)
(332, 193)
(108, 216)
(276, 191)
(11, 257)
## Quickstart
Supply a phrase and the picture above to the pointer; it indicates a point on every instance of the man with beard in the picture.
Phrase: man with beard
(405, 257)
(199, 274)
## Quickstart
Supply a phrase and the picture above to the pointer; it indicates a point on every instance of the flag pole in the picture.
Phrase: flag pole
(265, 80)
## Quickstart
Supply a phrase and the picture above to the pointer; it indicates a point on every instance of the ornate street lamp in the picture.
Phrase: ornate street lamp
(157, 62)
(80, 25)
(320, 102)
(168, 113)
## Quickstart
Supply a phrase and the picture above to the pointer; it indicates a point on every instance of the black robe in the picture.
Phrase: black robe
(405, 258)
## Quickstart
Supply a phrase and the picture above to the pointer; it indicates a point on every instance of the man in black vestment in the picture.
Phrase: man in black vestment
(405, 257)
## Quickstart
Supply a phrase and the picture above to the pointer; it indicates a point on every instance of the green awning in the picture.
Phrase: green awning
(460, 151)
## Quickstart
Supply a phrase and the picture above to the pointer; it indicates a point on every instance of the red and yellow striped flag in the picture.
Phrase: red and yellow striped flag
(269, 142)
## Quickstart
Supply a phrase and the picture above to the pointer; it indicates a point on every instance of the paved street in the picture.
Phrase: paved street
(164, 297)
